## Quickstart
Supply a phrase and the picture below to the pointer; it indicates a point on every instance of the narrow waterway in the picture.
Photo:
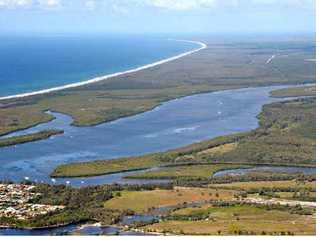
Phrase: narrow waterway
(74, 229)
(267, 168)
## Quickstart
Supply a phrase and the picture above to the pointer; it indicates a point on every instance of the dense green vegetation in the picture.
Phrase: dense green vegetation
(185, 172)
(224, 65)
(11, 141)
(286, 135)
(294, 92)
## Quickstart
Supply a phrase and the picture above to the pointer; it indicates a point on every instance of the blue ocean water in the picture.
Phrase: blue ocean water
(31, 63)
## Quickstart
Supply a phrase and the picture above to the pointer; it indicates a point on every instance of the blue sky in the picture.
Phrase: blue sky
(158, 16)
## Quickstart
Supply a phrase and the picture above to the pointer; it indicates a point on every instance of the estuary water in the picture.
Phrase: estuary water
(174, 124)
(265, 168)
(74, 229)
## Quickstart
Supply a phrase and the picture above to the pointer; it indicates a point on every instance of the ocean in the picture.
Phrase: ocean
(33, 63)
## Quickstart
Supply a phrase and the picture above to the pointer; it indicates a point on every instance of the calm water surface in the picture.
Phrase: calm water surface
(276, 169)
(174, 124)
(69, 230)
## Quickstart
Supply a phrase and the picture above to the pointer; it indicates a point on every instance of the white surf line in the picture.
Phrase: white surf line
(310, 60)
(270, 59)
(102, 78)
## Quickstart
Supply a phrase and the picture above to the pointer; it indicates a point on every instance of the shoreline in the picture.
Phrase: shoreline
(285, 165)
(113, 75)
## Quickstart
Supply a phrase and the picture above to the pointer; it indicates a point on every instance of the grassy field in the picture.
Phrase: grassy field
(266, 184)
(142, 201)
(290, 195)
(225, 65)
(300, 190)
(185, 172)
(29, 138)
(238, 220)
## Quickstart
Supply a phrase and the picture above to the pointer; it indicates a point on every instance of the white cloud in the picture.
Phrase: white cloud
(23, 3)
(308, 4)
(12, 4)
(181, 4)
(49, 3)
(120, 9)
(15, 4)
(125, 6)
(90, 5)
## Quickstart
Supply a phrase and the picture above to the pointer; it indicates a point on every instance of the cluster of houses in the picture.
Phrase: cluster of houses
(15, 202)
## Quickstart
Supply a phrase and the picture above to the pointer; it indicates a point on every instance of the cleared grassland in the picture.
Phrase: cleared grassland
(266, 184)
(142, 201)
(238, 220)
(290, 195)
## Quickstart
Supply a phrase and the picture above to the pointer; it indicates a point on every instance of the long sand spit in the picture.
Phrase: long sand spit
(102, 78)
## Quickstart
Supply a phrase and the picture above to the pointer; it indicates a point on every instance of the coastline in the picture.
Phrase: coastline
(105, 77)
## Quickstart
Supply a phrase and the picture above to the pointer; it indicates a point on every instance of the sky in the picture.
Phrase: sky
(157, 16)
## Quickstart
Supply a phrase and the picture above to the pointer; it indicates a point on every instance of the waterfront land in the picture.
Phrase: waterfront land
(11, 141)
(63, 205)
(257, 203)
(16, 202)
(295, 92)
(194, 202)
(185, 172)
(274, 207)
(220, 66)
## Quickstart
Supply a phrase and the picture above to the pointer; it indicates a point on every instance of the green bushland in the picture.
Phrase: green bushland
(225, 65)
(295, 92)
(11, 141)
(185, 172)
(105, 167)
(81, 205)
(287, 135)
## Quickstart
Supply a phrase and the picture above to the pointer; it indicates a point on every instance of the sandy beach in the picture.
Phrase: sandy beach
(105, 77)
